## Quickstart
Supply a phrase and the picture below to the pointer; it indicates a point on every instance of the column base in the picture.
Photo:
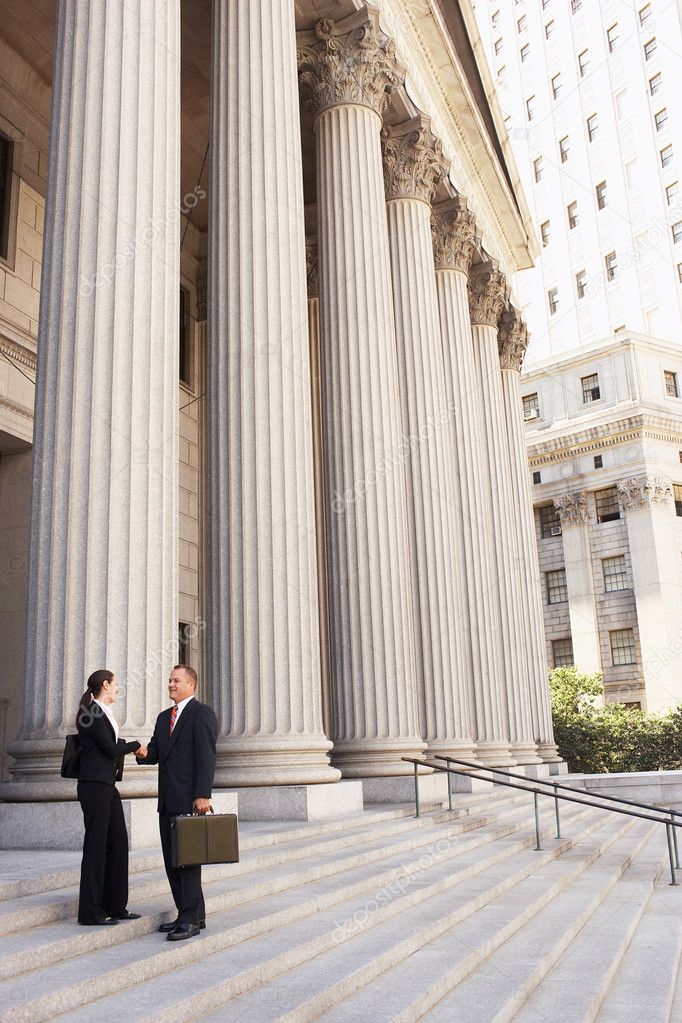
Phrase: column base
(494, 754)
(274, 760)
(59, 825)
(549, 753)
(298, 802)
(525, 753)
(377, 758)
(461, 749)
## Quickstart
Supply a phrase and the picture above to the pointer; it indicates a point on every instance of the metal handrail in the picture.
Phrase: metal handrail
(557, 785)
(670, 825)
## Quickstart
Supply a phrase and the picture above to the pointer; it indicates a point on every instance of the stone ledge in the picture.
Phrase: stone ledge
(298, 802)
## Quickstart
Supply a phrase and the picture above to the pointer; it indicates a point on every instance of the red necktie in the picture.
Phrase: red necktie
(174, 714)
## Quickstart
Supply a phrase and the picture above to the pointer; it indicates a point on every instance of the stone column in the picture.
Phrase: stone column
(453, 234)
(413, 168)
(318, 471)
(582, 603)
(529, 618)
(263, 643)
(654, 554)
(348, 68)
(102, 590)
(487, 294)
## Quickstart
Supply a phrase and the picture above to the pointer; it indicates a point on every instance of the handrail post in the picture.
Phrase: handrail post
(448, 761)
(668, 829)
(556, 812)
(674, 831)
(416, 788)
(536, 806)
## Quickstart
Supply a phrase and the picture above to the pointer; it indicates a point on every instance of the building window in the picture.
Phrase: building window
(661, 119)
(644, 15)
(649, 49)
(562, 653)
(575, 6)
(525, 53)
(632, 705)
(544, 232)
(677, 498)
(537, 168)
(592, 127)
(495, 18)
(599, 461)
(531, 407)
(611, 261)
(615, 574)
(6, 152)
(556, 86)
(671, 388)
(557, 592)
(572, 211)
(671, 193)
(185, 339)
(537, 477)
(612, 37)
(606, 501)
(549, 29)
(498, 46)
(530, 107)
(656, 84)
(521, 24)
(677, 232)
(591, 389)
(550, 523)
(666, 156)
(501, 71)
(601, 195)
(581, 283)
(583, 62)
(622, 647)
(183, 643)
(553, 299)
(564, 148)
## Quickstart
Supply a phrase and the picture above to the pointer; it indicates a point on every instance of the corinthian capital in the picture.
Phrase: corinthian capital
(453, 229)
(572, 509)
(414, 165)
(512, 340)
(349, 61)
(487, 294)
(644, 492)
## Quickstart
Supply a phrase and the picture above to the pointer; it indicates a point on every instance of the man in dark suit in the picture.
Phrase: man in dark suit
(184, 747)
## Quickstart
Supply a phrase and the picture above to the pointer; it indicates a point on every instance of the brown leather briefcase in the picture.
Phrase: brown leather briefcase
(204, 838)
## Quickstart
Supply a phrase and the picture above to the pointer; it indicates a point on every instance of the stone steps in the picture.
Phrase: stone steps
(449, 917)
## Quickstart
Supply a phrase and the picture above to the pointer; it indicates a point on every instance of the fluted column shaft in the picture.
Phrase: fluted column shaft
(102, 576)
(499, 490)
(373, 673)
(530, 597)
(412, 168)
(263, 646)
(453, 236)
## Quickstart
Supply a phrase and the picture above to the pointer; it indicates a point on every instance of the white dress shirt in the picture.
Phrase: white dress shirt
(107, 710)
(181, 706)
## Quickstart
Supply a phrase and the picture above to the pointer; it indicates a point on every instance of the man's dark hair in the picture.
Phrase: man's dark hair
(188, 671)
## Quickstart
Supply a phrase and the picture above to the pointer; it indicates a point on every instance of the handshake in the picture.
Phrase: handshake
(141, 753)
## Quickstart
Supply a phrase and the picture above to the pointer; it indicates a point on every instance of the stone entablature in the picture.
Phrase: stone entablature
(644, 492)
(572, 509)
(637, 428)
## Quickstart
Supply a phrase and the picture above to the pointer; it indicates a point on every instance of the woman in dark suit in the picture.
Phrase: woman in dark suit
(104, 869)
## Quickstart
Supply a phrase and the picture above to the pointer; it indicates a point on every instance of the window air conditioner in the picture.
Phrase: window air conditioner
(532, 414)
(555, 530)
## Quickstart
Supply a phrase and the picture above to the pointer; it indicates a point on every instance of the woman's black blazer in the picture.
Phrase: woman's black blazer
(101, 755)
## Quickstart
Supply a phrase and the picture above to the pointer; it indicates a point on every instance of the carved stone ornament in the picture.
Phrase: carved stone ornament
(453, 229)
(414, 164)
(311, 268)
(202, 290)
(349, 66)
(512, 340)
(487, 295)
(572, 509)
(644, 492)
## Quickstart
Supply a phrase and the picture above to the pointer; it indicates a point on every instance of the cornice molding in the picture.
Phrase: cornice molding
(602, 437)
(18, 353)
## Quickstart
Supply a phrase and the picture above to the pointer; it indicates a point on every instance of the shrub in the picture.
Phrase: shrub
(595, 738)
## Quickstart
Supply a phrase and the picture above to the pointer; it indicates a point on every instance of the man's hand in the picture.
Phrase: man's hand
(141, 754)
(201, 806)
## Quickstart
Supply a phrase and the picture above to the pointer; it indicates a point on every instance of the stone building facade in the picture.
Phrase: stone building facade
(276, 417)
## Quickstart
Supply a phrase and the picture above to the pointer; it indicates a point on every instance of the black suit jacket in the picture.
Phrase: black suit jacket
(101, 753)
(186, 758)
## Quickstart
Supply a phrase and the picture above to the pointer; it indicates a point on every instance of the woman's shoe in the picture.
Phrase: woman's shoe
(107, 921)
(127, 916)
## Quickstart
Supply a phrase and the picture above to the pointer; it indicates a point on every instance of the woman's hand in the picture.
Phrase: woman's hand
(141, 754)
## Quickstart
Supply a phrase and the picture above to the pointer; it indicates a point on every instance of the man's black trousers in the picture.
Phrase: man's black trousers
(185, 882)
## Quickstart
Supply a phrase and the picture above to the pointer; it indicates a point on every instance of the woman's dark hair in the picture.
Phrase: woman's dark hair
(94, 684)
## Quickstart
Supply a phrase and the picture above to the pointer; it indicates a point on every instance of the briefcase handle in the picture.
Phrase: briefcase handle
(195, 814)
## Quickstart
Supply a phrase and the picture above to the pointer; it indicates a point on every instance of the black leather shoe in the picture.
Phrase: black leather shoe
(183, 931)
(107, 922)
(167, 928)
(127, 916)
